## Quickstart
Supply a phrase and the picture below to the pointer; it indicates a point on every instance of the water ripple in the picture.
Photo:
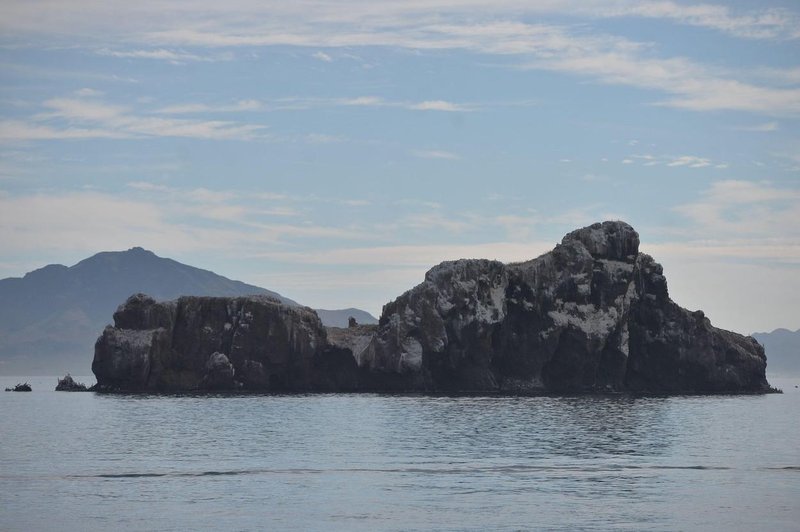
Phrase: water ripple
(371, 462)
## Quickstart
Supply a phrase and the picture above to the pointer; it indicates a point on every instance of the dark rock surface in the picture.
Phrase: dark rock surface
(21, 387)
(593, 315)
(217, 343)
(68, 384)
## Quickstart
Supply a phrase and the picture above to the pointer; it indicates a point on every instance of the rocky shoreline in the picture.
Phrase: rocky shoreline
(591, 316)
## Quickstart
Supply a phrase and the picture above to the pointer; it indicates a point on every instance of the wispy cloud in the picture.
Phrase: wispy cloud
(435, 154)
(286, 20)
(376, 101)
(423, 256)
(195, 108)
(437, 105)
(518, 228)
(88, 92)
(431, 221)
(760, 128)
(737, 230)
(147, 186)
(497, 31)
(322, 138)
(674, 161)
(160, 217)
(322, 56)
(690, 85)
(594, 178)
(296, 103)
(418, 203)
(174, 33)
(83, 118)
(245, 207)
(746, 208)
(769, 23)
(691, 161)
(176, 57)
(19, 130)
(365, 101)
(603, 57)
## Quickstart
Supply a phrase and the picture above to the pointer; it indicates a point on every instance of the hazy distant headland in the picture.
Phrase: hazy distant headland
(783, 351)
(50, 318)
(592, 315)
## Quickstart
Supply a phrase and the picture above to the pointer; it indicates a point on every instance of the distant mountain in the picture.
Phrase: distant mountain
(50, 318)
(783, 351)
(340, 318)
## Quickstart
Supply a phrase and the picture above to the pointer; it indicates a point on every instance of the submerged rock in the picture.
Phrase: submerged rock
(593, 315)
(68, 384)
(21, 387)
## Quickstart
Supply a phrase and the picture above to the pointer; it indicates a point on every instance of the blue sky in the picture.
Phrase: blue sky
(334, 152)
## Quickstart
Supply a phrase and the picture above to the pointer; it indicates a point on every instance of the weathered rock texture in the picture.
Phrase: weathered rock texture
(218, 343)
(21, 387)
(591, 315)
(594, 314)
(68, 384)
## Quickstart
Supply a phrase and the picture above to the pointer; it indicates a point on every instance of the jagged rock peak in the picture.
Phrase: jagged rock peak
(140, 250)
(613, 240)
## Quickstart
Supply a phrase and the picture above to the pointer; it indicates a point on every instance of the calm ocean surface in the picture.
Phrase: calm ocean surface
(80, 461)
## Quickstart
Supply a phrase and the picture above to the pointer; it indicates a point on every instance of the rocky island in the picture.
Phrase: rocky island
(68, 384)
(592, 315)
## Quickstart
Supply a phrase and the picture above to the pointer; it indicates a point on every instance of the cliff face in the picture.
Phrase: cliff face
(594, 314)
(252, 342)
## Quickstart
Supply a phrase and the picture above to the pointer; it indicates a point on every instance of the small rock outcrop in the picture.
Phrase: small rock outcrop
(219, 373)
(218, 343)
(593, 315)
(68, 384)
(20, 387)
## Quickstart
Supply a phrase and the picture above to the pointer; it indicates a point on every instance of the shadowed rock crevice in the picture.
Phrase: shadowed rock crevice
(592, 315)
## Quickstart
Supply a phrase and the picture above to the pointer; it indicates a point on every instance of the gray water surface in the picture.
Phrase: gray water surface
(379, 462)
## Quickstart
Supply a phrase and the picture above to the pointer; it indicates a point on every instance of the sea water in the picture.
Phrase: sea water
(85, 461)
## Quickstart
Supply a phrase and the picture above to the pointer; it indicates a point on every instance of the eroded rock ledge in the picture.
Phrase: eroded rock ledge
(594, 314)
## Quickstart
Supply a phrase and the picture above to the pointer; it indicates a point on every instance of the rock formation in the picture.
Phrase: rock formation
(591, 315)
(68, 384)
(216, 343)
(594, 314)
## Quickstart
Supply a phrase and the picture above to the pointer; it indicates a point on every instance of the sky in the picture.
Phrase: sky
(335, 151)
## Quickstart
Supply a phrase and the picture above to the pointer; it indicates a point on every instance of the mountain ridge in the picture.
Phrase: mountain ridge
(783, 351)
(50, 317)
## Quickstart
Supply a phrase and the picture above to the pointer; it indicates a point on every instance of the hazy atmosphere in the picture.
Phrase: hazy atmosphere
(333, 152)
(235, 225)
